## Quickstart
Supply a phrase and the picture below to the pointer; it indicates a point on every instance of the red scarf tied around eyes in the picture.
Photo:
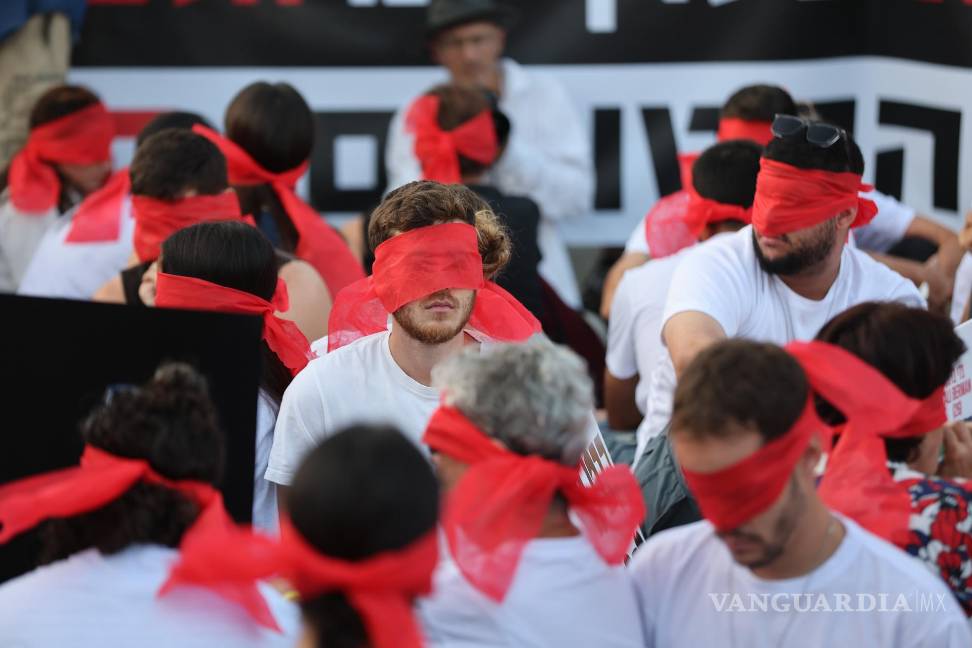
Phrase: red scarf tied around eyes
(501, 501)
(790, 199)
(438, 150)
(381, 588)
(731, 128)
(282, 336)
(98, 218)
(100, 479)
(676, 221)
(157, 220)
(857, 482)
(419, 263)
(318, 243)
(83, 137)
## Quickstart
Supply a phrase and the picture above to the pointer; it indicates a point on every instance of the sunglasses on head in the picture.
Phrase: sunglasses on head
(819, 134)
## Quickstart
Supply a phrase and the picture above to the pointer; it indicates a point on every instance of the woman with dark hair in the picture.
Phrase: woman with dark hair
(230, 266)
(269, 136)
(152, 457)
(359, 544)
(916, 351)
(67, 156)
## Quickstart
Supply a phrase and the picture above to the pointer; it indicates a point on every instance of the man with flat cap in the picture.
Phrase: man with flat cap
(548, 155)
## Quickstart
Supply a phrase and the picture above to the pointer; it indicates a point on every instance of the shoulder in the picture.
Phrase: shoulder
(521, 80)
(672, 550)
(723, 258)
(872, 280)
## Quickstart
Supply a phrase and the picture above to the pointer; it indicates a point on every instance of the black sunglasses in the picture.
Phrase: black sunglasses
(819, 134)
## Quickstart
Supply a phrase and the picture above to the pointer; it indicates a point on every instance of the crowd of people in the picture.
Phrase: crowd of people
(780, 336)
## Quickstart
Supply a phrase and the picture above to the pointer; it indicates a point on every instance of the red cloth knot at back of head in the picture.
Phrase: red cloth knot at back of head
(83, 137)
(157, 220)
(789, 198)
(438, 150)
(500, 503)
(857, 482)
(98, 217)
(318, 243)
(282, 336)
(381, 588)
(731, 128)
(419, 263)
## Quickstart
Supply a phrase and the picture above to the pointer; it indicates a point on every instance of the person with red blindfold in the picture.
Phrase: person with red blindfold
(929, 505)
(785, 276)
(81, 253)
(178, 179)
(746, 115)
(548, 156)
(111, 529)
(67, 156)
(231, 267)
(530, 556)
(772, 565)
(724, 182)
(437, 247)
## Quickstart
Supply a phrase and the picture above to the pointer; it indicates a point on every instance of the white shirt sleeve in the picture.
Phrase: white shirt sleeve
(553, 166)
(889, 225)
(400, 161)
(711, 281)
(963, 288)
(637, 242)
(20, 234)
(621, 358)
(300, 427)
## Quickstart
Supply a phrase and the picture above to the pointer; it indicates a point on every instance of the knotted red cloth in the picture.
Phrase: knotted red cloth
(676, 221)
(157, 220)
(282, 336)
(101, 478)
(419, 263)
(501, 501)
(741, 129)
(381, 588)
(860, 485)
(789, 198)
(318, 243)
(438, 150)
(83, 137)
(98, 217)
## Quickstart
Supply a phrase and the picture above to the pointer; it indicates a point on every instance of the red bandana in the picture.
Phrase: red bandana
(500, 503)
(419, 263)
(676, 221)
(438, 150)
(740, 129)
(381, 588)
(83, 137)
(282, 336)
(318, 243)
(98, 217)
(100, 479)
(157, 220)
(790, 199)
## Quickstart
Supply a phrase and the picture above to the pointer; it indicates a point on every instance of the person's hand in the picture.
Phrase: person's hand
(940, 287)
(958, 451)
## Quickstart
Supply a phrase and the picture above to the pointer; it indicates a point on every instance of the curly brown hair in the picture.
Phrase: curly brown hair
(423, 203)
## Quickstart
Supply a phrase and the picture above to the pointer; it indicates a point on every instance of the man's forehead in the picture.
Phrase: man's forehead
(708, 451)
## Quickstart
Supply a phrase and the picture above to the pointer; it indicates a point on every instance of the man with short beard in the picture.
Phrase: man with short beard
(790, 272)
(436, 248)
(771, 564)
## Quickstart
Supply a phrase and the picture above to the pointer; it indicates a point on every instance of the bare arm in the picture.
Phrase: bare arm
(619, 399)
(627, 261)
(687, 333)
(939, 285)
(949, 253)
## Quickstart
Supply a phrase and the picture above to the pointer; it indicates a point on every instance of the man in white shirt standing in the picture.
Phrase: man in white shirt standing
(771, 565)
(436, 246)
(548, 157)
(790, 272)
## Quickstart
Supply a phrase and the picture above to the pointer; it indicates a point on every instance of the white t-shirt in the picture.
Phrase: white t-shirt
(77, 270)
(962, 288)
(563, 594)
(723, 279)
(687, 582)
(20, 234)
(638, 241)
(264, 492)
(889, 225)
(90, 600)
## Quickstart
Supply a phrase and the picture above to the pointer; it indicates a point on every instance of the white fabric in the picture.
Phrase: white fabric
(77, 270)
(20, 234)
(638, 241)
(682, 574)
(264, 492)
(723, 280)
(962, 288)
(95, 601)
(563, 594)
(889, 225)
(548, 159)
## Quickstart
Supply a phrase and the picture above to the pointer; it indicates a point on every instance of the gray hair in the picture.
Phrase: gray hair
(535, 397)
